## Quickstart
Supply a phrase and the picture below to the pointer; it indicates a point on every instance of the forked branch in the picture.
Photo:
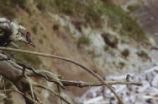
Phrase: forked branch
(68, 60)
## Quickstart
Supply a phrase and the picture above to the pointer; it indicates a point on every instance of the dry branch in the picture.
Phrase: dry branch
(14, 73)
(81, 84)
(90, 84)
(68, 60)
(54, 78)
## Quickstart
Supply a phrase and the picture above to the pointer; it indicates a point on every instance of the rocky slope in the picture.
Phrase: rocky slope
(110, 44)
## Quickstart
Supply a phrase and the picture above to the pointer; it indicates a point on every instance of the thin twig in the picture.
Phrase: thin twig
(31, 88)
(21, 93)
(81, 83)
(59, 91)
(68, 60)
(89, 84)
(47, 75)
(50, 90)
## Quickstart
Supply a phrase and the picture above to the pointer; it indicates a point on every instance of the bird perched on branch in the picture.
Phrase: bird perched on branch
(10, 31)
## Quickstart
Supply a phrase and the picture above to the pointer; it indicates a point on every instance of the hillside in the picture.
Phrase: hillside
(98, 34)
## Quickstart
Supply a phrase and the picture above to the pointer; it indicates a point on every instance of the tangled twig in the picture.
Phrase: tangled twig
(68, 60)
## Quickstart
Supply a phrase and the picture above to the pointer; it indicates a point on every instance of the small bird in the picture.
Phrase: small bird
(12, 32)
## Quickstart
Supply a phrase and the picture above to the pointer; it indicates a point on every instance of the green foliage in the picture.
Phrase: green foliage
(28, 59)
(92, 11)
(129, 26)
(44, 4)
(84, 40)
(23, 58)
(31, 60)
(65, 6)
(41, 5)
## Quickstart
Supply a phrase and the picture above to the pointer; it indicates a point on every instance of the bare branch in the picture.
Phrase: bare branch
(68, 60)
(55, 79)
(31, 88)
(90, 84)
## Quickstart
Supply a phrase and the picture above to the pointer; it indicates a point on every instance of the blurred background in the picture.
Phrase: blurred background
(112, 37)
